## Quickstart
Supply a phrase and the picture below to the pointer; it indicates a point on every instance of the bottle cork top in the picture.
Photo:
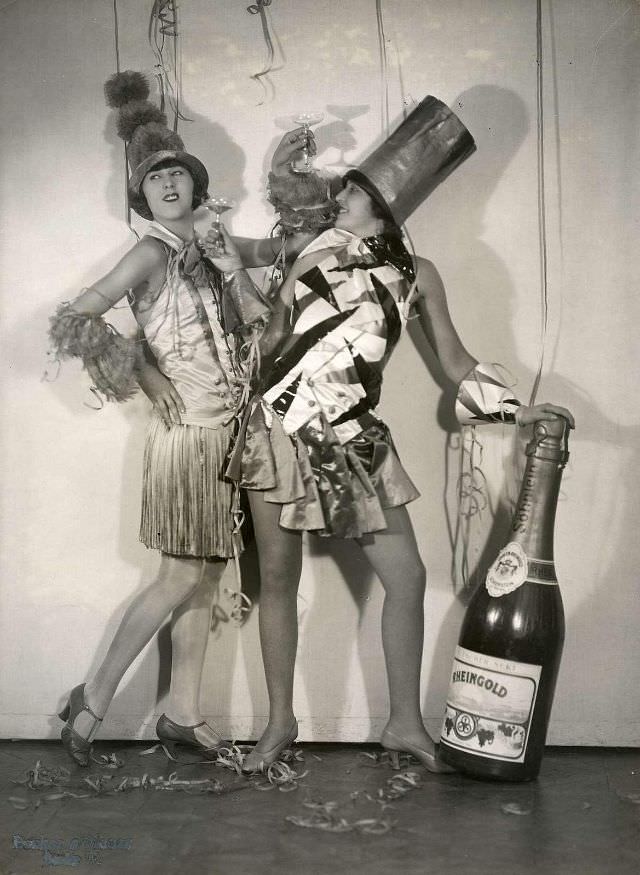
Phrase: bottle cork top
(550, 440)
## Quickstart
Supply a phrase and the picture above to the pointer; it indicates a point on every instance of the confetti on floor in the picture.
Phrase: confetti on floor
(365, 811)
(51, 784)
(331, 817)
(516, 808)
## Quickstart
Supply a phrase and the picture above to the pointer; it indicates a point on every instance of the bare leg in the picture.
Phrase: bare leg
(190, 625)
(280, 558)
(394, 556)
(178, 578)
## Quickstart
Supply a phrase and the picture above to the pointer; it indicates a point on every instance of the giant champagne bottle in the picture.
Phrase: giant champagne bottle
(506, 663)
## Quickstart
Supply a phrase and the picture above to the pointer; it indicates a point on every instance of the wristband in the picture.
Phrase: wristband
(483, 397)
(242, 301)
(110, 359)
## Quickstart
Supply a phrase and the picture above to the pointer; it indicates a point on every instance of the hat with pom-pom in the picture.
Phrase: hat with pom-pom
(143, 127)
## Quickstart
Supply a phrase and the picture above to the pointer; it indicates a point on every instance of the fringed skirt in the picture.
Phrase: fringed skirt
(186, 500)
(323, 486)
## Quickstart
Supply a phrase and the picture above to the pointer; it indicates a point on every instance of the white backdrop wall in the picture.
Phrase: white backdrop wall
(71, 475)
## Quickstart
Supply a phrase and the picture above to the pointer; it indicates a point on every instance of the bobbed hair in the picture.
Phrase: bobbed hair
(389, 227)
(379, 206)
(138, 202)
(143, 127)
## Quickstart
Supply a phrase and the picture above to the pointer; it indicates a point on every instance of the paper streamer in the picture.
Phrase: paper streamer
(259, 9)
(163, 39)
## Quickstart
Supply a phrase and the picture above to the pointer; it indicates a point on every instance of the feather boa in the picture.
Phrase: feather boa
(109, 358)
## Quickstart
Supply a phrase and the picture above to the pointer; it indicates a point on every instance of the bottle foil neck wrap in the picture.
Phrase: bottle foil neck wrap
(550, 442)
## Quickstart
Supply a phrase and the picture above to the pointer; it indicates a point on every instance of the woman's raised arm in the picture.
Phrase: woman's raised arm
(135, 268)
(262, 251)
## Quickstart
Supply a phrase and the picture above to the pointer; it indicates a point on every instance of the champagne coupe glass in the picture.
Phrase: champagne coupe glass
(218, 205)
(304, 163)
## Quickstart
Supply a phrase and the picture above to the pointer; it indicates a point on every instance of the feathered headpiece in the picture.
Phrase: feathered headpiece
(143, 127)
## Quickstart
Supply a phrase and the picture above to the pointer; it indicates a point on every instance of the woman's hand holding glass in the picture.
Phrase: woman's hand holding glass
(220, 249)
(292, 148)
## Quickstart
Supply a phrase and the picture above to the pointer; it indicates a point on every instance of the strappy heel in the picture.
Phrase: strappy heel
(173, 735)
(77, 746)
(256, 761)
(395, 745)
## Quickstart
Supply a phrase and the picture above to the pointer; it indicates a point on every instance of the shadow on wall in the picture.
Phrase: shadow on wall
(453, 217)
(498, 121)
(486, 111)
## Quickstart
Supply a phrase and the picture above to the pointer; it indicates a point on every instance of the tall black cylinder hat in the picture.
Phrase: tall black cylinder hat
(422, 151)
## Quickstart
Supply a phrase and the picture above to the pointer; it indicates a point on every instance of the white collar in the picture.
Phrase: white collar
(329, 239)
(162, 233)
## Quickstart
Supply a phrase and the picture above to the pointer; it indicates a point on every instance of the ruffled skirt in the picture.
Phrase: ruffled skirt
(187, 503)
(323, 486)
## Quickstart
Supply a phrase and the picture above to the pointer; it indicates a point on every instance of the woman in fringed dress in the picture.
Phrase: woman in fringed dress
(197, 323)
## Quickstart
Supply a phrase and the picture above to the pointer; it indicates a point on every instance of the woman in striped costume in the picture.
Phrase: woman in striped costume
(316, 457)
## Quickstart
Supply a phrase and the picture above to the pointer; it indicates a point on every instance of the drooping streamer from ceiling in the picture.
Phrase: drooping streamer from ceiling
(542, 208)
(165, 45)
(164, 42)
(384, 73)
(262, 76)
(127, 208)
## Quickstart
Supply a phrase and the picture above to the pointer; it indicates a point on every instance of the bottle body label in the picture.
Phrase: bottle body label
(489, 705)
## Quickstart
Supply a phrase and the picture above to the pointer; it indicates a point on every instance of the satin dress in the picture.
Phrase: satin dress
(311, 439)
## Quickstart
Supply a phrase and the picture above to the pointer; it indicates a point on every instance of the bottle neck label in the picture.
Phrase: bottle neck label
(513, 567)
(489, 705)
(542, 571)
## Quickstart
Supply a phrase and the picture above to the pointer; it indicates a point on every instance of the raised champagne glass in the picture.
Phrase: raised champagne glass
(304, 164)
(218, 205)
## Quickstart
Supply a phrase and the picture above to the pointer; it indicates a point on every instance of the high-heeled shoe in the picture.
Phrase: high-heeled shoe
(395, 745)
(257, 761)
(77, 746)
(173, 735)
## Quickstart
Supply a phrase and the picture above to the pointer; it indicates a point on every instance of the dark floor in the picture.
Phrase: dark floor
(581, 817)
